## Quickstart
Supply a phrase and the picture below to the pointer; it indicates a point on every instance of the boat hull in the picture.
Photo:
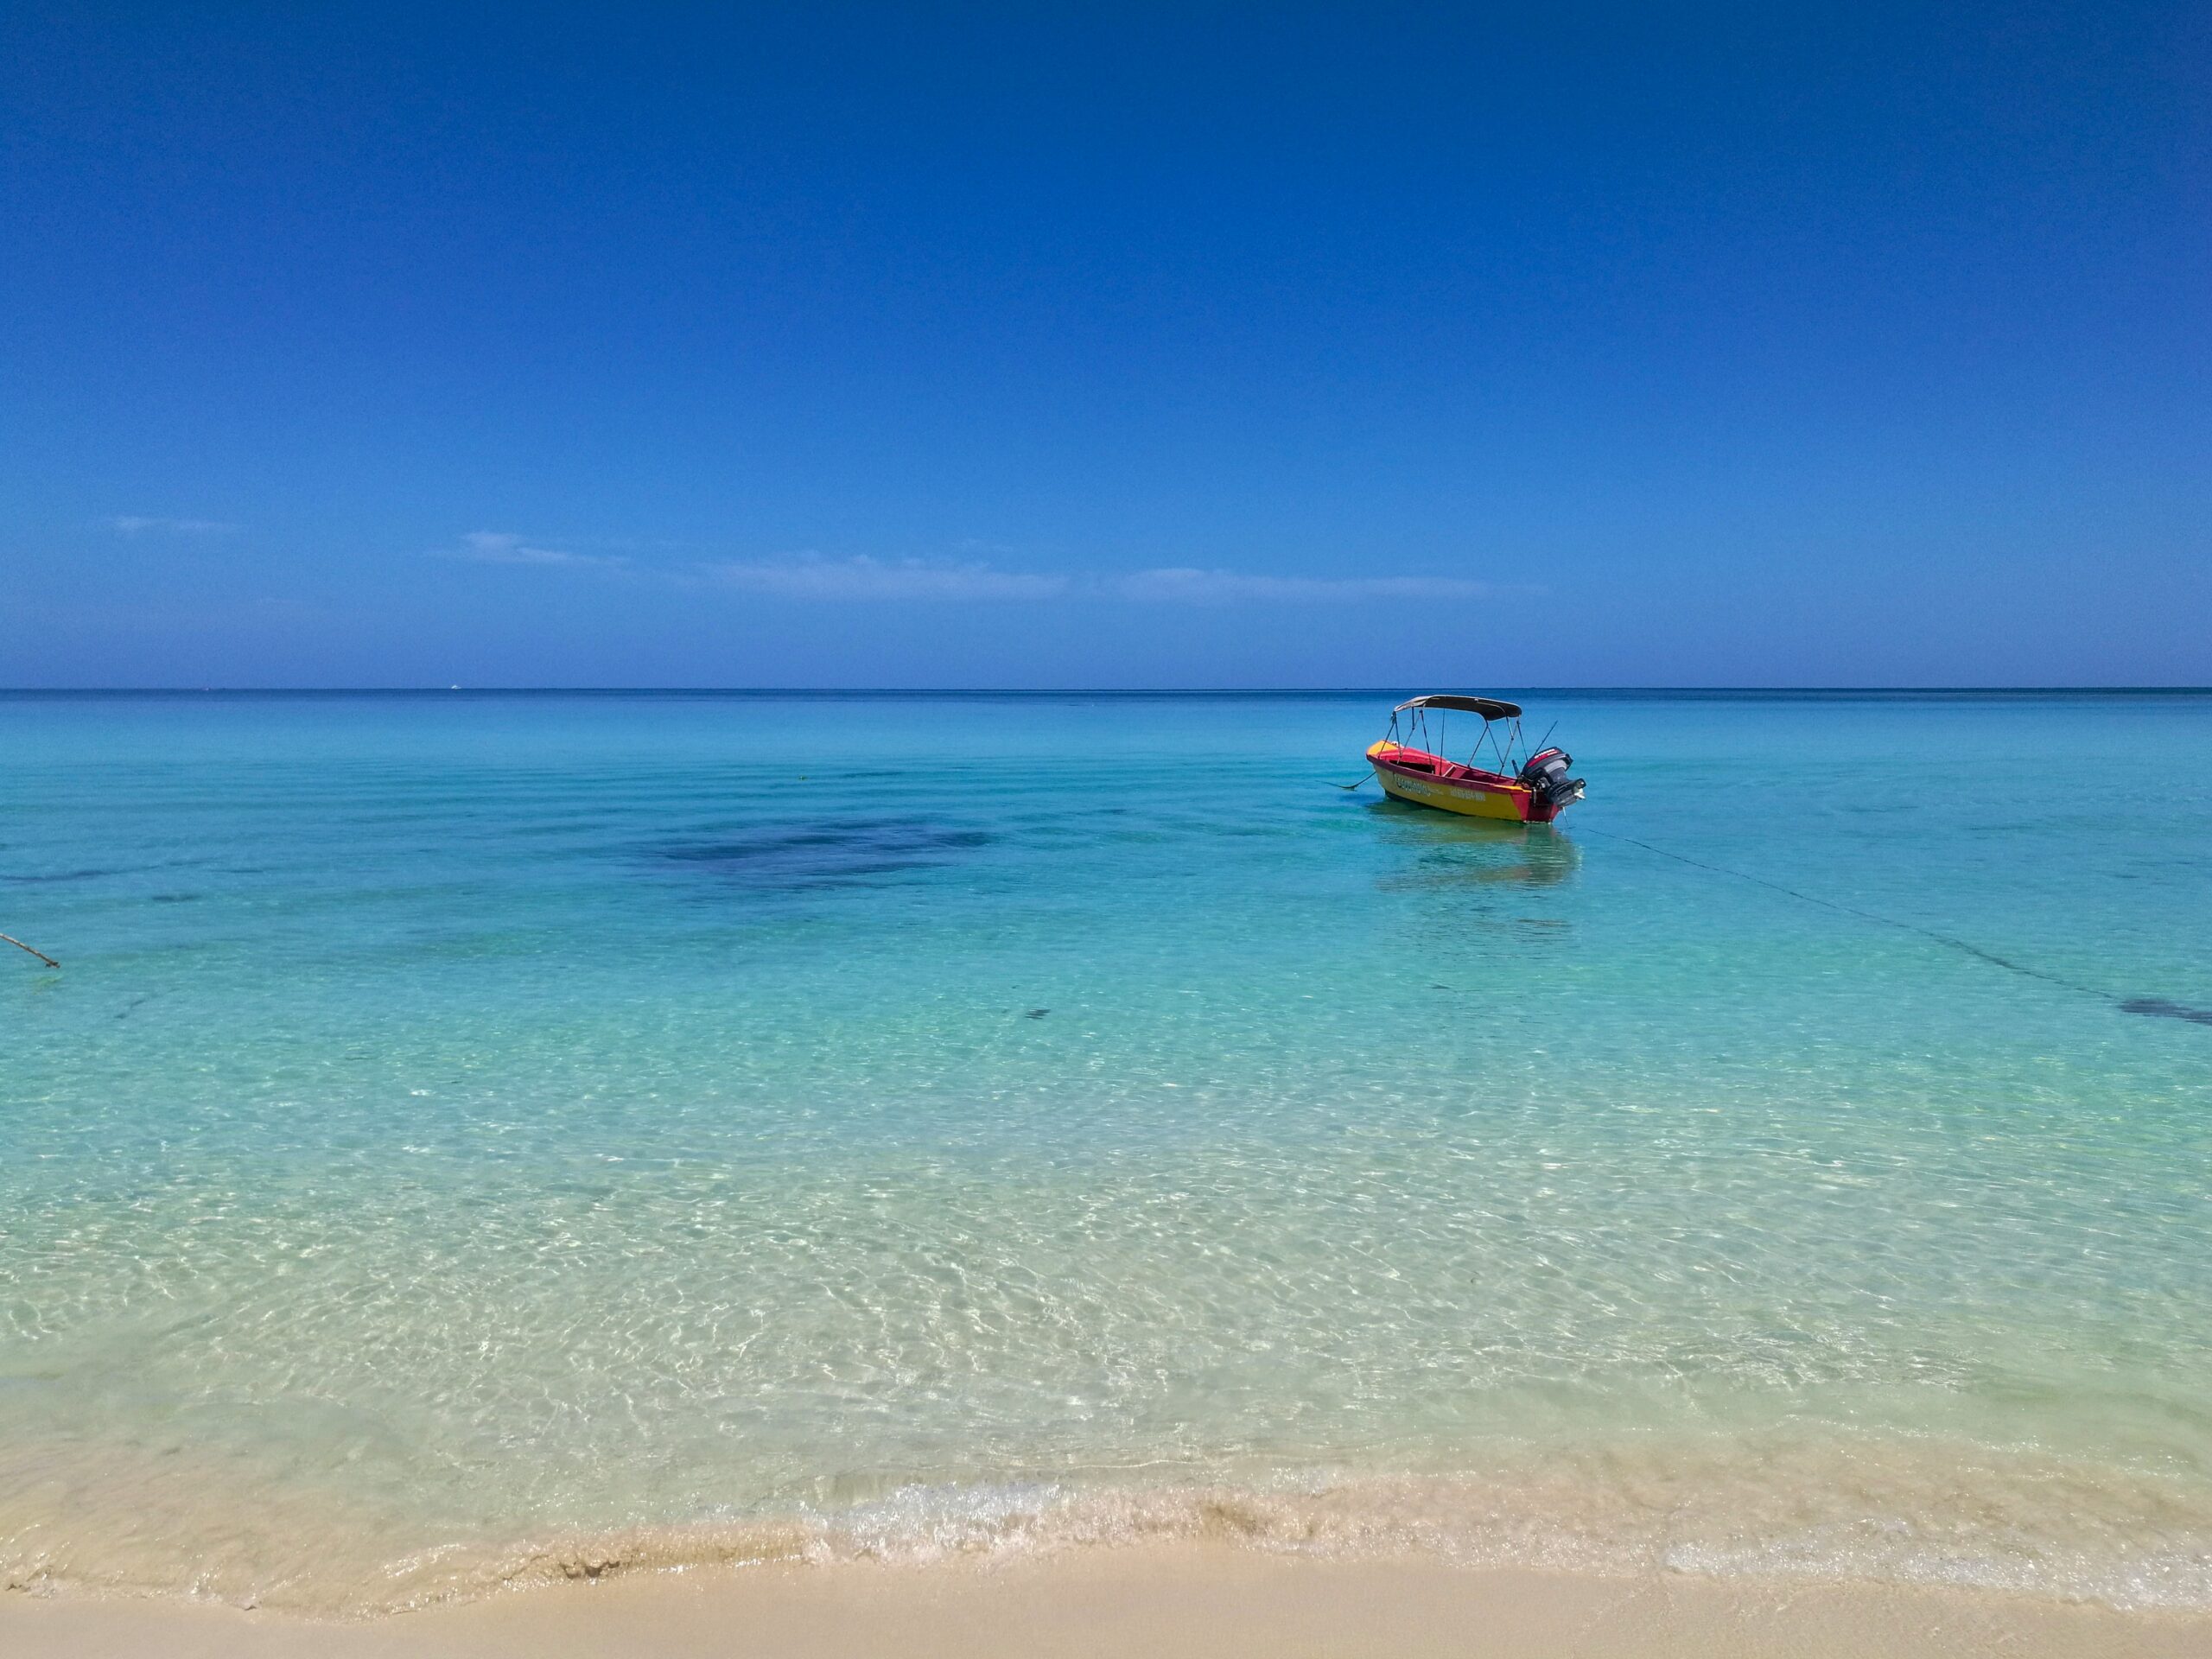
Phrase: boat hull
(1424, 779)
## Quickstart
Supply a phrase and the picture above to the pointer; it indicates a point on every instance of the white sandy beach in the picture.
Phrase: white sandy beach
(1172, 1602)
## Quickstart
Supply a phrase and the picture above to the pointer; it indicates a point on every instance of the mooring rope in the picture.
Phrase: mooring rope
(2158, 1006)
(20, 945)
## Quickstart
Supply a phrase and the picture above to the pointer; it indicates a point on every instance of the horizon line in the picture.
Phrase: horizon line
(2113, 689)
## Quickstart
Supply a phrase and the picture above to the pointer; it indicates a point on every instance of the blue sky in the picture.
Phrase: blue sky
(1130, 346)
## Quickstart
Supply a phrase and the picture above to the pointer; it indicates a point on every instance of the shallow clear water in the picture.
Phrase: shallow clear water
(473, 1138)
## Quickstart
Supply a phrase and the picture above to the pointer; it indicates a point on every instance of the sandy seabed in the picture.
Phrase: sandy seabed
(1170, 1601)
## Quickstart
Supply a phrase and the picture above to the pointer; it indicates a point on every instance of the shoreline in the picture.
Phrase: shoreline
(1785, 1515)
(1170, 1600)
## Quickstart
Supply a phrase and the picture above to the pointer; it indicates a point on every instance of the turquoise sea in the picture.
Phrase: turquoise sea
(477, 1138)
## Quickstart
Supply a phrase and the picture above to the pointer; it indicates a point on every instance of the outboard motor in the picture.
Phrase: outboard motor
(1544, 774)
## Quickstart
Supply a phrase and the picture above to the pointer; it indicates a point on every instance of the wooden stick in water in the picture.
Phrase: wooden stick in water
(20, 945)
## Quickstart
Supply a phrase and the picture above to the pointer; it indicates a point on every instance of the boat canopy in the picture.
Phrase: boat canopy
(1488, 708)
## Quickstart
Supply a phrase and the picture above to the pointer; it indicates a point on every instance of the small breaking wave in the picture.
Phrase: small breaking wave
(2069, 1553)
(1905, 1513)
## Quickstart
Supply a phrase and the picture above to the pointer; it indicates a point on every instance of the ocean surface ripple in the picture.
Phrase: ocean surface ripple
(480, 1140)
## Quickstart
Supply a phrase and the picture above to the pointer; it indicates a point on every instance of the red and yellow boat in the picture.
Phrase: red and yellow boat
(1411, 767)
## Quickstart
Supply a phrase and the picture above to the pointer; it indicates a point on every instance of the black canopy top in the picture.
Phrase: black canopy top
(1488, 708)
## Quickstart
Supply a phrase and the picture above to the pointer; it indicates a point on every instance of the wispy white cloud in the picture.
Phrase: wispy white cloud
(1190, 585)
(502, 547)
(860, 578)
(131, 524)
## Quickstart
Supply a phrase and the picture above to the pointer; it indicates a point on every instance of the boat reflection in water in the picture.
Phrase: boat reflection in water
(1447, 850)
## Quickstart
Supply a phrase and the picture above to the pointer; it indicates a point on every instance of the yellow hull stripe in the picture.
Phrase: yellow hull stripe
(1467, 802)
(1471, 803)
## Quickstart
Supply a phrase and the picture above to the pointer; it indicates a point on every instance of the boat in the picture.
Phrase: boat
(1411, 766)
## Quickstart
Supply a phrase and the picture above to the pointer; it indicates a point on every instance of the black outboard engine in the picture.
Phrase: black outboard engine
(1545, 776)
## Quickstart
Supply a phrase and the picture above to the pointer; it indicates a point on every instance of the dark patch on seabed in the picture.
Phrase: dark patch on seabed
(2165, 1010)
(787, 858)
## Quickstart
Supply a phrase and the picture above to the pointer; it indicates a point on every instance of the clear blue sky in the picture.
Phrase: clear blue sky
(1135, 345)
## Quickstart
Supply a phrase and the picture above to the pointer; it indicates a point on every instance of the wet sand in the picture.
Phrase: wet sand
(1168, 1602)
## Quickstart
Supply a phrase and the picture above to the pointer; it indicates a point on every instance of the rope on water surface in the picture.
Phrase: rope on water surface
(2146, 1005)
(20, 945)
